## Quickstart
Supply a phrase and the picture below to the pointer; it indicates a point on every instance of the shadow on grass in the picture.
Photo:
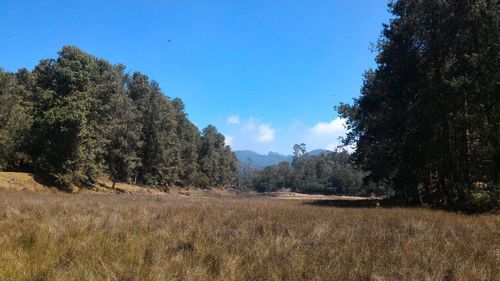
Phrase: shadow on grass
(358, 203)
(388, 203)
(51, 181)
(116, 190)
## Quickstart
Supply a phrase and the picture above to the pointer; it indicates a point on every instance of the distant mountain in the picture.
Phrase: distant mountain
(259, 161)
(317, 152)
(255, 160)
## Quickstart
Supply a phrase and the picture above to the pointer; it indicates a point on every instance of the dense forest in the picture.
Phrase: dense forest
(427, 122)
(326, 173)
(426, 127)
(79, 118)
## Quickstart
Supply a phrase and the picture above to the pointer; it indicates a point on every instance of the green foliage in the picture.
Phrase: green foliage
(328, 173)
(482, 200)
(124, 140)
(189, 137)
(15, 121)
(79, 118)
(217, 162)
(427, 120)
(160, 150)
(65, 138)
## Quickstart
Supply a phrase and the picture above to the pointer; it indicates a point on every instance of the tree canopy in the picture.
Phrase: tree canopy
(327, 173)
(427, 122)
(79, 117)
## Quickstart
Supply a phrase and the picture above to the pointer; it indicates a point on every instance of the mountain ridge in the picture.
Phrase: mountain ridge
(259, 161)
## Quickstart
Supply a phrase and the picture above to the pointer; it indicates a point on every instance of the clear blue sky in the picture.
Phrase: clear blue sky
(277, 67)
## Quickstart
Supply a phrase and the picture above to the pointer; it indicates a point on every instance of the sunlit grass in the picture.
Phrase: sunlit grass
(170, 237)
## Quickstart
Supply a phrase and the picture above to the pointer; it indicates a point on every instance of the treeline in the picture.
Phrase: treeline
(427, 122)
(327, 173)
(78, 118)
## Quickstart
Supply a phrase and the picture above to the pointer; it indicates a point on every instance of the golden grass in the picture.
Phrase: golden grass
(55, 236)
(105, 185)
(20, 181)
(44, 183)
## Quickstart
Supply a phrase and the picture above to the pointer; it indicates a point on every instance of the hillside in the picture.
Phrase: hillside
(317, 152)
(259, 161)
(255, 160)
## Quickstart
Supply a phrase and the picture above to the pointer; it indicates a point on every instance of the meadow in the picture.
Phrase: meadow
(58, 236)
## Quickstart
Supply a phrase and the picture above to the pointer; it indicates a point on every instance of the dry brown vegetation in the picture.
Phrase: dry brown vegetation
(56, 236)
(21, 181)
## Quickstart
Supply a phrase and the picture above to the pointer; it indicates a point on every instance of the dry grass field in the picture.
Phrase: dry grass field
(57, 236)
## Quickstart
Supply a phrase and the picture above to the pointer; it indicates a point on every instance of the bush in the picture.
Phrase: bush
(483, 200)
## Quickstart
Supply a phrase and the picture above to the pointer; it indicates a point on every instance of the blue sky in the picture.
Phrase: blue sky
(266, 73)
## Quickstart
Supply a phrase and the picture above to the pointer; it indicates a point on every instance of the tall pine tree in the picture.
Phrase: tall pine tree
(427, 122)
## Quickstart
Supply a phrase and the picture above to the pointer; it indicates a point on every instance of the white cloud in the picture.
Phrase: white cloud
(251, 133)
(233, 119)
(266, 133)
(228, 140)
(332, 128)
(326, 135)
(255, 134)
(250, 125)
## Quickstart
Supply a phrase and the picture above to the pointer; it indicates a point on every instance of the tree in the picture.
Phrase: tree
(299, 150)
(78, 118)
(138, 86)
(426, 122)
(328, 173)
(217, 162)
(189, 142)
(124, 135)
(160, 150)
(65, 138)
(15, 121)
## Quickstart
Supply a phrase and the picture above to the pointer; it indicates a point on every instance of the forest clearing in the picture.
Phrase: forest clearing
(250, 140)
(182, 236)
